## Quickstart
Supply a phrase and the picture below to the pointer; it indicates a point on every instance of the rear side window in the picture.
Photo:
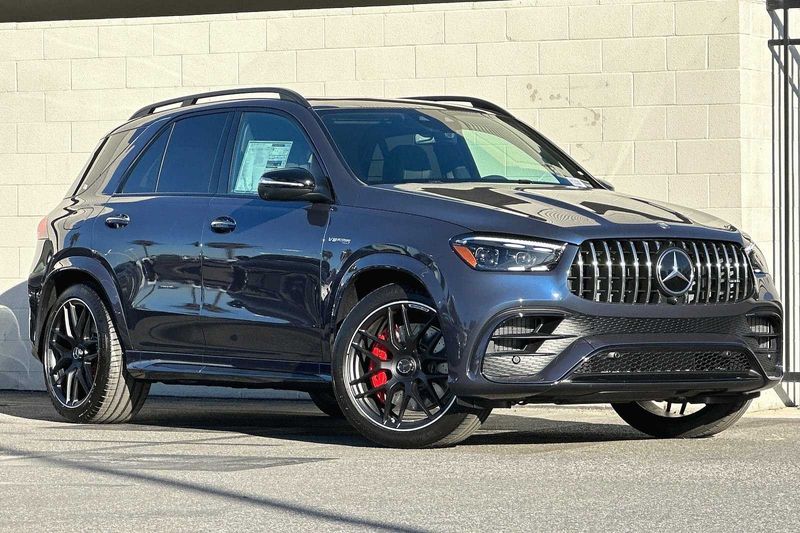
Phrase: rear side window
(107, 152)
(144, 174)
(182, 159)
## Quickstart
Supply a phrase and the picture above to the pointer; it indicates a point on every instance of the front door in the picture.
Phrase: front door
(261, 259)
(151, 229)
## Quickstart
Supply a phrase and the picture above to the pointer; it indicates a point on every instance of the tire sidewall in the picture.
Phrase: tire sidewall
(708, 421)
(91, 406)
(426, 436)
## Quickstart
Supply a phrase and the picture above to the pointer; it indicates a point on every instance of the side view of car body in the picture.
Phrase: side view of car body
(411, 263)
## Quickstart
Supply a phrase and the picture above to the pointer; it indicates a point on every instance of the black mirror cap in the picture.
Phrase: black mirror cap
(294, 183)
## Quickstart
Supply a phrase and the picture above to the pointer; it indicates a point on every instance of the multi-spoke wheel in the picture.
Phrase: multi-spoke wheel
(71, 354)
(83, 364)
(390, 373)
(681, 419)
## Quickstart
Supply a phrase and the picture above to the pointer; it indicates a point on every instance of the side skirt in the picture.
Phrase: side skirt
(189, 369)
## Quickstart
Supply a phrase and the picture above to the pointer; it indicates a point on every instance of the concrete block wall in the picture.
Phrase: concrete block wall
(666, 99)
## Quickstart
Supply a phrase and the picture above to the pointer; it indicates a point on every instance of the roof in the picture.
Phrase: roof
(234, 97)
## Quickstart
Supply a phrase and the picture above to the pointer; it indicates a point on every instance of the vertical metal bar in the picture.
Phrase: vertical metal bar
(787, 194)
(649, 272)
(580, 271)
(596, 289)
(623, 285)
(727, 273)
(719, 271)
(610, 276)
(699, 273)
(737, 288)
(708, 271)
(635, 272)
(746, 264)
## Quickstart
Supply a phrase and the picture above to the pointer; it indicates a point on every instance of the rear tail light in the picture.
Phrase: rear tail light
(41, 229)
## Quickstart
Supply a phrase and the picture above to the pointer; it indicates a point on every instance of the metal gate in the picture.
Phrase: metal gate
(785, 167)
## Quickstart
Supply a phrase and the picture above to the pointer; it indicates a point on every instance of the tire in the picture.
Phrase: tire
(709, 420)
(325, 400)
(113, 395)
(432, 418)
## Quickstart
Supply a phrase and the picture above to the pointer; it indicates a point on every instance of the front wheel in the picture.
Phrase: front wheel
(390, 373)
(680, 419)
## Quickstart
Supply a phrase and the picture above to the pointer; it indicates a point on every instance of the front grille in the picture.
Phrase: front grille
(624, 271)
(681, 363)
(520, 347)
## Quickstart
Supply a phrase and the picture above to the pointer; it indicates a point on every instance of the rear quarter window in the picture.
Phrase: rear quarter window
(107, 152)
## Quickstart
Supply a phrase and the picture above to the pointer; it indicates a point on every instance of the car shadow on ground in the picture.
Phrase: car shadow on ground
(301, 421)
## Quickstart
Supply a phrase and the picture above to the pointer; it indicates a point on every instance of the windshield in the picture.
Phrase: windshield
(408, 145)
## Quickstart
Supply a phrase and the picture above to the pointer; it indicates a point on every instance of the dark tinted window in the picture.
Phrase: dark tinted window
(192, 151)
(144, 175)
(265, 142)
(107, 152)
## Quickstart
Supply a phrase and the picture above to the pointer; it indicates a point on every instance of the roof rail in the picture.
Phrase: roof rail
(184, 101)
(477, 103)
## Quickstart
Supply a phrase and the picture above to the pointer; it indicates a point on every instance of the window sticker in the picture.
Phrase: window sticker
(261, 157)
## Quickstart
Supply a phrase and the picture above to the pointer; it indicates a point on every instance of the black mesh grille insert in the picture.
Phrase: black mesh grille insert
(626, 362)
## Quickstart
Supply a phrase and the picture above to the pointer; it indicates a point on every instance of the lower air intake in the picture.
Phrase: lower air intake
(674, 364)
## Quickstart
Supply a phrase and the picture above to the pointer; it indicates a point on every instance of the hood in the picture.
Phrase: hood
(569, 214)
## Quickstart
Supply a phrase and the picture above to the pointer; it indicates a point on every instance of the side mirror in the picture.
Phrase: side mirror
(605, 183)
(293, 183)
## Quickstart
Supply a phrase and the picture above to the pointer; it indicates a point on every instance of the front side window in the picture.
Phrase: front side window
(182, 159)
(406, 145)
(265, 142)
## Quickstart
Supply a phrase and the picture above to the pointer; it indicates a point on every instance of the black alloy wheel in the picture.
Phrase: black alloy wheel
(71, 354)
(83, 361)
(390, 373)
(397, 374)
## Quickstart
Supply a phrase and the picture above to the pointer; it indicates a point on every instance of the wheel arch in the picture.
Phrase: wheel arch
(376, 270)
(72, 270)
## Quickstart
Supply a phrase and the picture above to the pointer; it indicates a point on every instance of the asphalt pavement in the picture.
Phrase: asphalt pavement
(241, 465)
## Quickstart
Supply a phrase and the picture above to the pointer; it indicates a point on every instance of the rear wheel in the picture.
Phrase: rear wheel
(83, 362)
(325, 400)
(681, 419)
(390, 372)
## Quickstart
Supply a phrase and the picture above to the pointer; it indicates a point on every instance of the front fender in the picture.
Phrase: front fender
(96, 270)
(404, 261)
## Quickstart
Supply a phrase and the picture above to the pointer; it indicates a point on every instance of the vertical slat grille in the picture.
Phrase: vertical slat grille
(624, 271)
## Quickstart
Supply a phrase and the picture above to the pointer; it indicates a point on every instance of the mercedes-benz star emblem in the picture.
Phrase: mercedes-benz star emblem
(674, 271)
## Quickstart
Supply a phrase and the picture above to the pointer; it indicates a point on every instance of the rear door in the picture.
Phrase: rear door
(151, 229)
(261, 259)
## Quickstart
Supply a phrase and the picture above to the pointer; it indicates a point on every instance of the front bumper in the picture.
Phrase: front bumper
(588, 329)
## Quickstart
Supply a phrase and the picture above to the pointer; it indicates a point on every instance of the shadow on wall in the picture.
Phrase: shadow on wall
(18, 369)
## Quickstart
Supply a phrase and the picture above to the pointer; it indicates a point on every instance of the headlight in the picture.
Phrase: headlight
(500, 254)
(757, 259)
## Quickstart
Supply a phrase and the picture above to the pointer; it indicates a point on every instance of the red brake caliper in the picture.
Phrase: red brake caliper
(381, 377)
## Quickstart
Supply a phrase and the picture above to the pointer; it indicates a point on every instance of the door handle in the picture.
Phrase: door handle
(117, 221)
(223, 225)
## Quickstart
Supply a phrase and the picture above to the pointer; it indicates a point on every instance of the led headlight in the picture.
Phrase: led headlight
(501, 254)
(757, 259)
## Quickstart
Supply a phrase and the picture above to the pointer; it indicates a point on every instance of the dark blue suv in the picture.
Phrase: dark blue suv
(410, 263)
